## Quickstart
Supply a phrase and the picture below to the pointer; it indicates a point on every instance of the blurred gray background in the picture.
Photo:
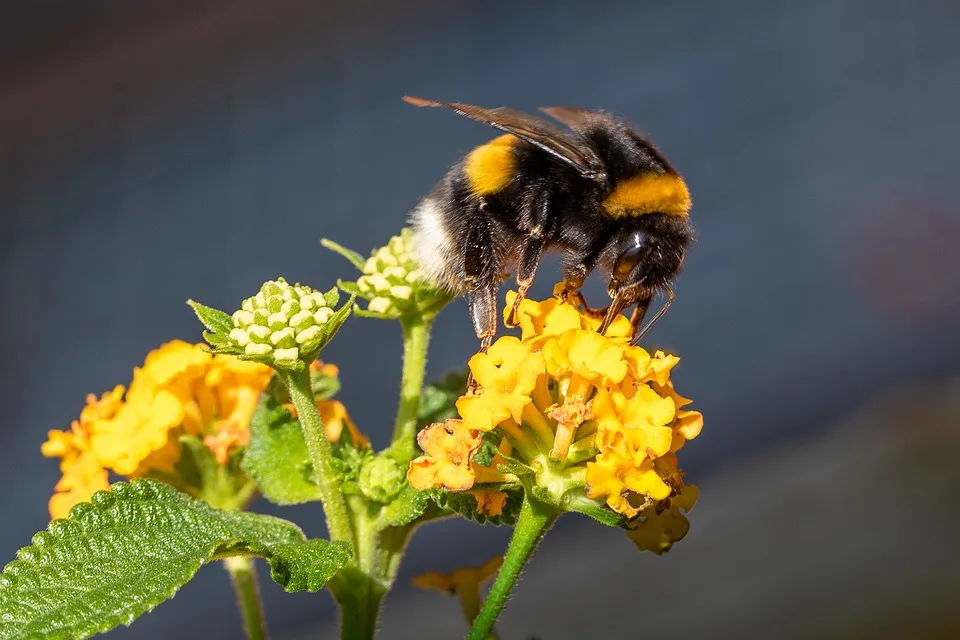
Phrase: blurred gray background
(155, 151)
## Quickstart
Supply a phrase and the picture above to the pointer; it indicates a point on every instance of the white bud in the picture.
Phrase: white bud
(379, 305)
(283, 338)
(322, 315)
(401, 291)
(240, 336)
(301, 320)
(277, 321)
(395, 272)
(259, 333)
(286, 355)
(243, 318)
(308, 334)
(254, 349)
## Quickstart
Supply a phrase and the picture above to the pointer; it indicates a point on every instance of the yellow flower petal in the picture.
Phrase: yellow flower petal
(490, 503)
(507, 373)
(460, 579)
(79, 482)
(449, 447)
(657, 529)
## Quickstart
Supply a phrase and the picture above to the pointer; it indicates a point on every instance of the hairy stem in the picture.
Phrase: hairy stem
(535, 519)
(244, 578)
(416, 338)
(334, 506)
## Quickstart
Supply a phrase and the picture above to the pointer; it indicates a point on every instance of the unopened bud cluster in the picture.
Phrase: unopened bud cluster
(279, 319)
(390, 275)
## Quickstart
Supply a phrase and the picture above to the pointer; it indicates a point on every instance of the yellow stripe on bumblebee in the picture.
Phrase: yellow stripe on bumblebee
(490, 168)
(648, 193)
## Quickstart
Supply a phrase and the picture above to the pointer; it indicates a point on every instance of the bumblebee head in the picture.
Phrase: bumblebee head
(646, 252)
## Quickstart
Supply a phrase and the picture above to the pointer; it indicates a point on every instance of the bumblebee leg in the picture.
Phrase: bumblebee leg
(530, 255)
(480, 269)
(666, 305)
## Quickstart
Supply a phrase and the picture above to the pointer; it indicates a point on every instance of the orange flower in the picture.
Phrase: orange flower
(595, 421)
(490, 503)
(448, 447)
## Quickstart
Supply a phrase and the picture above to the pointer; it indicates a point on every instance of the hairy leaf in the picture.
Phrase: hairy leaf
(131, 548)
(216, 321)
(277, 456)
(438, 399)
(406, 507)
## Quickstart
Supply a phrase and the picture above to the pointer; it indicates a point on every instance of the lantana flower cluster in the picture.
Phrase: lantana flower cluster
(389, 276)
(181, 390)
(280, 320)
(582, 421)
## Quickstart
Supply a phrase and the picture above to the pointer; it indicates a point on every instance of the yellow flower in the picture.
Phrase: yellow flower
(464, 583)
(539, 321)
(658, 527)
(508, 373)
(459, 579)
(490, 503)
(448, 447)
(83, 475)
(595, 420)
(181, 389)
(335, 419)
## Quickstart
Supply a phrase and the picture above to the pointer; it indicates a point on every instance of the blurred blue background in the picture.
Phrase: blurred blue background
(151, 152)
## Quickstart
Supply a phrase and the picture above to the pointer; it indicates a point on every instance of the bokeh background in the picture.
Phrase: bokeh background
(155, 151)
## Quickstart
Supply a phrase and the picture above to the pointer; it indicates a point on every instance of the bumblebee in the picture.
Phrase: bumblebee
(597, 192)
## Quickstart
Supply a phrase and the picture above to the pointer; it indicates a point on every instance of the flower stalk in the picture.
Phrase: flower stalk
(243, 576)
(535, 519)
(328, 481)
(416, 339)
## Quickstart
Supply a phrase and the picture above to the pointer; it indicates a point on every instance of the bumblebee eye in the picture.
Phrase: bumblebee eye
(631, 256)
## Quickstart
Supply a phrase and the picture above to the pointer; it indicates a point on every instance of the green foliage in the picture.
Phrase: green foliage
(277, 456)
(438, 399)
(131, 548)
(355, 258)
(307, 565)
(406, 507)
(465, 504)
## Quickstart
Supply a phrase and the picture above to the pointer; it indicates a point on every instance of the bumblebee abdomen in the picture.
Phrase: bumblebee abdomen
(491, 167)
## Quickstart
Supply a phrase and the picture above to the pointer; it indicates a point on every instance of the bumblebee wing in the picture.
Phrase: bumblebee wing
(562, 145)
(577, 119)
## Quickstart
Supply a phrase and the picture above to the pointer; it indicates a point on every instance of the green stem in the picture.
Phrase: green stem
(328, 481)
(416, 337)
(535, 519)
(244, 579)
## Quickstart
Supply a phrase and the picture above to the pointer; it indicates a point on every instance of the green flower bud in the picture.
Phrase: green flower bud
(392, 280)
(283, 325)
(381, 478)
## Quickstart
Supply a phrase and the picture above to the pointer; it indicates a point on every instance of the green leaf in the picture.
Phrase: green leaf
(438, 399)
(406, 507)
(310, 350)
(465, 504)
(355, 258)
(131, 548)
(277, 456)
(350, 287)
(215, 320)
(307, 565)
(324, 386)
(332, 297)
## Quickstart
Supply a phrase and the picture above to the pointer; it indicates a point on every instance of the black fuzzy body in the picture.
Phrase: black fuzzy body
(483, 236)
